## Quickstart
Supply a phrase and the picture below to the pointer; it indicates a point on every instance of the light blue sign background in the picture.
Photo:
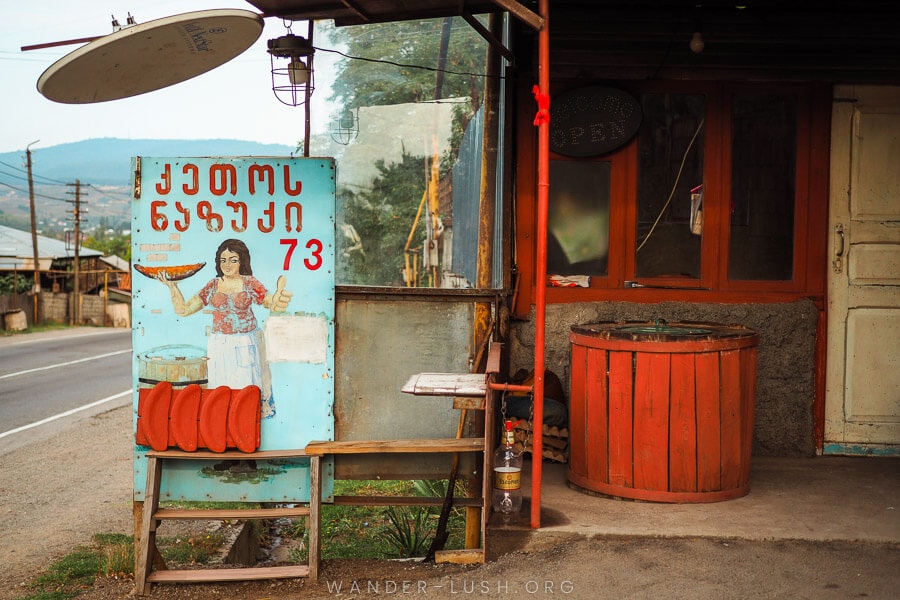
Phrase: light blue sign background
(283, 210)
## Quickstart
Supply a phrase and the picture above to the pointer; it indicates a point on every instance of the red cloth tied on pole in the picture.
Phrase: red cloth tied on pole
(543, 101)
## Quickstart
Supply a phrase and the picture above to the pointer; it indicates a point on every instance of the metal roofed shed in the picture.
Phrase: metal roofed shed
(16, 252)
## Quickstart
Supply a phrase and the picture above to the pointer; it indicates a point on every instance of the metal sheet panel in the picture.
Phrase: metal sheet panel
(282, 211)
(381, 342)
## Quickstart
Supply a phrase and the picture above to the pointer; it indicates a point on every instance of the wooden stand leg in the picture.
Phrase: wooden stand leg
(315, 515)
(147, 540)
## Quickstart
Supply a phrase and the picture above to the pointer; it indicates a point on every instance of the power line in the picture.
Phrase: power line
(12, 187)
(6, 164)
(405, 66)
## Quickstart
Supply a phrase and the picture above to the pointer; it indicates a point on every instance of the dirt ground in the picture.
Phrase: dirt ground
(56, 492)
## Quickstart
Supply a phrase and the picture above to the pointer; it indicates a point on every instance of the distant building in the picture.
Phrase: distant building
(56, 262)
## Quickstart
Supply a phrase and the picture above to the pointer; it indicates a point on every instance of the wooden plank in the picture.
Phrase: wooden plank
(402, 501)
(459, 557)
(597, 419)
(446, 384)
(651, 421)
(147, 541)
(621, 418)
(435, 445)
(468, 403)
(682, 426)
(315, 517)
(731, 418)
(578, 403)
(247, 574)
(235, 513)
(495, 353)
(231, 454)
(709, 423)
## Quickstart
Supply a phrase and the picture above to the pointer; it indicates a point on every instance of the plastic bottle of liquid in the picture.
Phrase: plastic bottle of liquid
(507, 494)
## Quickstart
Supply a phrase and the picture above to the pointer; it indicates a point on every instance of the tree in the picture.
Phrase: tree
(397, 62)
(16, 283)
(382, 217)
(115, 245)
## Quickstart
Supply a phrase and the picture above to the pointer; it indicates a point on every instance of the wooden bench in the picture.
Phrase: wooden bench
(470, 391)
(152, 515)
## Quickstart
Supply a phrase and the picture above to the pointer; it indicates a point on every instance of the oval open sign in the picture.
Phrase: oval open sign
(592, 121)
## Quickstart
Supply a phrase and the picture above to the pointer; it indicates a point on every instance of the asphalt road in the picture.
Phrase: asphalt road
(51, 381)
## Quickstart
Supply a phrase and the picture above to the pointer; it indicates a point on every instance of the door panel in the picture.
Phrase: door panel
(873, 375)
(862, 402)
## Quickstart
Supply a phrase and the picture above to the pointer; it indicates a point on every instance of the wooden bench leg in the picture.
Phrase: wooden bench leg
(315, 515)
(147, 540)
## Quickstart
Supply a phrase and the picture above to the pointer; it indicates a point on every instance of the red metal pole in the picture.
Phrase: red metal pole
(540, 307)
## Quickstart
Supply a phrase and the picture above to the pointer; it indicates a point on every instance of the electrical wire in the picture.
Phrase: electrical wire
(35, 176)
(406, 66)
(674, 186)
(36, 195)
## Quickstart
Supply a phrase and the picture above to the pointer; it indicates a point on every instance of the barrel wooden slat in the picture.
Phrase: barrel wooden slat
(578, 405)
(598, 465)
(661, 416)
(730, 399)
(683, 425)
(621, 419)
(651, 421)
(709, 423)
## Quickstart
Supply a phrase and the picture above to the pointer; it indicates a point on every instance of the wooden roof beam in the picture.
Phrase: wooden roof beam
(489, 37)
(516, 9)
(356, 8)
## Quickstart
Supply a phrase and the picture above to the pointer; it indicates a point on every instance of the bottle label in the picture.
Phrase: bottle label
(507, 478)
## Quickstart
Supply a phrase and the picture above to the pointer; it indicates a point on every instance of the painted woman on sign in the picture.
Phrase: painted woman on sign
(236, 350)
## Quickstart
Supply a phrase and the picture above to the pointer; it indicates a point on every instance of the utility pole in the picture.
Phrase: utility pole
(34, 245)
(76, 287)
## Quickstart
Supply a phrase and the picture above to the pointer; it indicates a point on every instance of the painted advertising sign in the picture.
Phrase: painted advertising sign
(233, 321)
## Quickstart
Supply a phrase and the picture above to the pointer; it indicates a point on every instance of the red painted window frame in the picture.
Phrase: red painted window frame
(810, 218)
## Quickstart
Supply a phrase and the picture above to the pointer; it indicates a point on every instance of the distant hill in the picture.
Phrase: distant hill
(107, 161)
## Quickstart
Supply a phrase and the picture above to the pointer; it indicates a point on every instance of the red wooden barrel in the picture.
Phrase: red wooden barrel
(662, 412)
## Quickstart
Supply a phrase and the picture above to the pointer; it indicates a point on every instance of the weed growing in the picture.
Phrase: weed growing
(348, 532)
(109, 555)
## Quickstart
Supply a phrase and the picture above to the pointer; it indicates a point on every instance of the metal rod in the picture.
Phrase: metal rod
(543, 194)
(61, 43)
(308, 92)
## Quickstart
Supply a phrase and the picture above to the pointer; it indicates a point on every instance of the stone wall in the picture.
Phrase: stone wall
(786, 370)
(57, 308)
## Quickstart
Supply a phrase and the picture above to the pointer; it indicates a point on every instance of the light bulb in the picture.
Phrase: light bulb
(298, 72)
(697, 44)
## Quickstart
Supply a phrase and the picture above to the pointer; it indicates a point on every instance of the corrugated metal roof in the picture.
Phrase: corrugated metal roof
(16, 249)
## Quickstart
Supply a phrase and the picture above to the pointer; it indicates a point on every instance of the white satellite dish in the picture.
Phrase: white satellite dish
(150, 56)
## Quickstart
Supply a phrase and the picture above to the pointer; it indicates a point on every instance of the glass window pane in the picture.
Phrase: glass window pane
(402, 120)
(578, 218)
(670, 185)
(763, 175)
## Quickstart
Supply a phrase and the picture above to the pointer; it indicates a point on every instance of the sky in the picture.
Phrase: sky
(234, 101)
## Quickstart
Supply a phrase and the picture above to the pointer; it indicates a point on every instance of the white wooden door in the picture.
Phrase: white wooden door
(862, 403)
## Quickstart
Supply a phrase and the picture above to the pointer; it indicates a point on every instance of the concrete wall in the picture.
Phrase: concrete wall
(785, 375)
